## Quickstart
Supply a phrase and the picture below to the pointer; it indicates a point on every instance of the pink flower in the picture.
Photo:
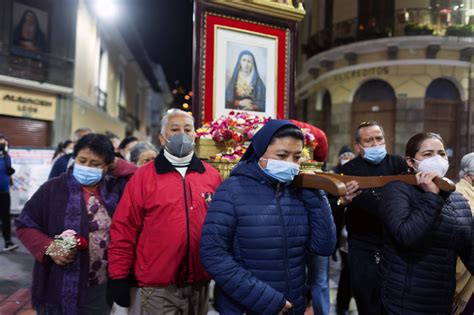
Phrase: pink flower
(227, 134)
(68, 233)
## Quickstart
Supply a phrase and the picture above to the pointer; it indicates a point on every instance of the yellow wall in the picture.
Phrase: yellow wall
(87, 52)
(86, 116)
(408, 80)
(112, 84)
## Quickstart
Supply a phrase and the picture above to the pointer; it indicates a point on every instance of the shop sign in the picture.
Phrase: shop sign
(26, 103)
(361, 73)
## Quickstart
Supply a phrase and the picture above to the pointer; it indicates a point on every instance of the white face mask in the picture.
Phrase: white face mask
(436, 164)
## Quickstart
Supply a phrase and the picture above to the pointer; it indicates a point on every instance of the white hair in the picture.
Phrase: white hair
(467, 165)
(171, 113)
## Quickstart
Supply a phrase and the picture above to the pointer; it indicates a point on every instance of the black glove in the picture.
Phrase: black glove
(118, 291)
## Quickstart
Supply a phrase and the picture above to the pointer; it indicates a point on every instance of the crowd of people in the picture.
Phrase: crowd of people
(160, 225)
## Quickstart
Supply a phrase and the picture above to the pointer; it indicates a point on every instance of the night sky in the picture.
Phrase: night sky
(166, 27)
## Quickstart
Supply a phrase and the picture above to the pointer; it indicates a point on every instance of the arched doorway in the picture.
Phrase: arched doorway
(375, 101)
(442, 104)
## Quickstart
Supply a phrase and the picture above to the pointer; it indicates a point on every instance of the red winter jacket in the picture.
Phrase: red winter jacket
(156, 228)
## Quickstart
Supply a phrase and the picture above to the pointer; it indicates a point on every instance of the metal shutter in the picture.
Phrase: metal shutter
(25, 132)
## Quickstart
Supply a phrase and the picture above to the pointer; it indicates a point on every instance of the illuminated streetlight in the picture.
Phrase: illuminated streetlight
(185, 105)
(186, 97)
(105, 8)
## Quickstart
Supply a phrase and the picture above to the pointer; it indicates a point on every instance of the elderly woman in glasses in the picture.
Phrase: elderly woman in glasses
(142, 153)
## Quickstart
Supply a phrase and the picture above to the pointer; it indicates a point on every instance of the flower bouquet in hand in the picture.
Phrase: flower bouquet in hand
(65, 242)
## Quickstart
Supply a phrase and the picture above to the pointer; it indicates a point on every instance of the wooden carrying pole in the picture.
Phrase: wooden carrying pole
(334, 184)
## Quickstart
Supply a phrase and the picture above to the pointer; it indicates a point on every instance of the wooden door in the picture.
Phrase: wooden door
(441, 117)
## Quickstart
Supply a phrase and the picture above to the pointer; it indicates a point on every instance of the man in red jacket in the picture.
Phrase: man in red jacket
(156, 228)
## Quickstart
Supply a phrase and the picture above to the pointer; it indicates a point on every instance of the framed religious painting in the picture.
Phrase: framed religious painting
(242, 64)
(29, 29)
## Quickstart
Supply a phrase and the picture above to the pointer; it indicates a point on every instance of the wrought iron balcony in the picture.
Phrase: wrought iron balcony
(101, 99)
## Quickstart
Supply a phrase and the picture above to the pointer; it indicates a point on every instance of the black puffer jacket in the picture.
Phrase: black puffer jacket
(424, 234)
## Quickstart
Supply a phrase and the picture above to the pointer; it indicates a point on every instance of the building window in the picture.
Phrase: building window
(375, 18)
(137, 110)
(103, 72)
(120, 97)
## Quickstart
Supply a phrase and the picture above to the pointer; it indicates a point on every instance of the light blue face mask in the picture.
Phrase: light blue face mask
(375, 155)
(282, 171)
(87, 176)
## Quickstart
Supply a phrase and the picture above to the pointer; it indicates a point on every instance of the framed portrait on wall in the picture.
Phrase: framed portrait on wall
(29, 28)
(243, 66)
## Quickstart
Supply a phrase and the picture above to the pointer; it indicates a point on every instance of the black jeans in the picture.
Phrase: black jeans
(344, 291)
(364, 265)
(5, 216)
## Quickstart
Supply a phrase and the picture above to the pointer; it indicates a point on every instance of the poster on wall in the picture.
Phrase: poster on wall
(29, 29)
(32, 168)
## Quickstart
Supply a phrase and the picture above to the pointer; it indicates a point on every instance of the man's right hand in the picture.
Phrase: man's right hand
(118, 291)
(352, 191)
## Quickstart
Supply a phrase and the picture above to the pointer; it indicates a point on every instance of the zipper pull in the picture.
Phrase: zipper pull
(277, 193)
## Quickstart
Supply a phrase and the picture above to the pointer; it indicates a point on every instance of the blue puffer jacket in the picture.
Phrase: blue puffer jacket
(424, 236)
(254, 241)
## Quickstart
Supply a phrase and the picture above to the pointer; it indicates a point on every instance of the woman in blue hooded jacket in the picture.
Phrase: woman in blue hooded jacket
(245, 89)
(258, 228)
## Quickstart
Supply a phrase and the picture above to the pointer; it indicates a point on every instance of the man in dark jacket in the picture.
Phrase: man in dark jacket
(6, 171)
(365, 229)
(258, 228)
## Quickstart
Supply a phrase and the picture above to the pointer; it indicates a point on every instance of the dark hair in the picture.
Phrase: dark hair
(365, 124)
(2, 137)
(288, 131)
(61, 146)
(126, 141)
(111, 135)
(97, 143)
(414, 144)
